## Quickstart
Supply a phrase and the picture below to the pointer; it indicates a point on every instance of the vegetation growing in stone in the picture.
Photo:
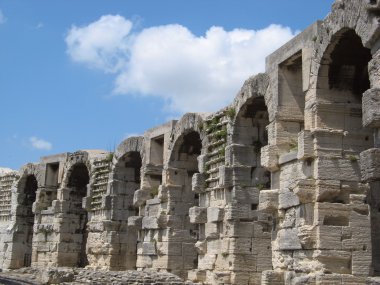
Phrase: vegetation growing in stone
(231, 113)
(153, 191)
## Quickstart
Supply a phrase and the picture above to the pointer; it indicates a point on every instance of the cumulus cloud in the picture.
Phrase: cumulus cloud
(191, 73)
(2, 17)
(102, 44)
(40, 144)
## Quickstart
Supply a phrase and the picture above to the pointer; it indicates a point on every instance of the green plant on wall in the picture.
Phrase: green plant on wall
(109, 157)
(293, 145)
(353, 158)
(153, 191)
(222, 152)
(231, 112)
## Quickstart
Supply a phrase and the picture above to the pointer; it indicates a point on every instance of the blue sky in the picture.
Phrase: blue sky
(86, 74)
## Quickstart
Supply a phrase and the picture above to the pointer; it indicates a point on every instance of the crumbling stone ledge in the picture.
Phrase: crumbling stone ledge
(76, 276)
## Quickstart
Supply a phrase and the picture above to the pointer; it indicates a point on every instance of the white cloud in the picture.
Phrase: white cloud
(102, 44)
(40, 144)
(2, 17)
(191, 73)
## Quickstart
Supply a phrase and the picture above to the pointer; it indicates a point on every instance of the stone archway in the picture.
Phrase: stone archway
(182, 165)
(23, 238)
(73, 228)
(339, 138)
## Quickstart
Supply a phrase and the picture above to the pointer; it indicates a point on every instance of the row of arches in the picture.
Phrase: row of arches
(342, 79)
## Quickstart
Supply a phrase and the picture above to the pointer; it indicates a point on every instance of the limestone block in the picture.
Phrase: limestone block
(236, 175)
(225, 176)
(356, 239)
(174, 193)
(242, 262)
(211, 231)
(150, 223)
(336, 261)
(248, 195)
(175, 176)
(144, 261)
(147, 248)
(239, 229)
(237, 211)
(196, 275)
(361, 263)
(355, 142)
(140, 196)
(371, 108)
(269, 201)
(305, 190)
(269, 157)
(329, 237)
(201, 247)
(287, 239)
(305, 145)
(327, 190)
(240, 246)
(332, 214)
(281, 133)
(370, 164)
(287, 199)
(135, 222)
(198, 215)
(166, 248)
(207, 261)
(287, 157)
(202, 159)
(198, 183)
(215, 246)
(336, 169)
(214, 214)
(189, 250)
(221, 277)
(243, 155)
(328, 142)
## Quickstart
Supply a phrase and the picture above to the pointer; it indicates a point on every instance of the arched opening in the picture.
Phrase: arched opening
(77, 184)
(250, 135)
(184, 163)
(26, 217)
(342, 80)
(339, 138)
(126, 180)
(127, 170)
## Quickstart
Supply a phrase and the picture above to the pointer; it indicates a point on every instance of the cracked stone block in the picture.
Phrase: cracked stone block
(140, 196)
(269, 157)
(198, 183)
(198, 215)
(370, 164)
(287, 199)
(305, 145)
(371, 108)
(287, 239)
(268, 201)
(214, 214)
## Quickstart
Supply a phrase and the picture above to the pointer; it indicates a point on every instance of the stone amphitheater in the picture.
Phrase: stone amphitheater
(280, 187)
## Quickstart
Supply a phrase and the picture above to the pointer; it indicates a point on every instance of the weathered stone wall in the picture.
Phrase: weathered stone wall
(279, 187)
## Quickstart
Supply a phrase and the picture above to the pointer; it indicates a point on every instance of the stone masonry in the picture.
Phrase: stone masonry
(280, 187)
